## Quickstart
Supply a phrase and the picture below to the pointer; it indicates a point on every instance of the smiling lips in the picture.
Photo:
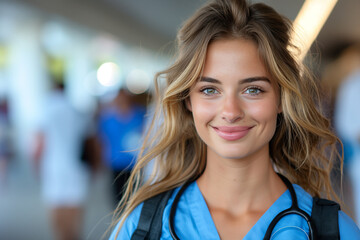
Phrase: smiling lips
(232, 133)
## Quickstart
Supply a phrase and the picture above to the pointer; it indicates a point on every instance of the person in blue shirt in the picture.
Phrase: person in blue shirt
(120, 127)
(238, 109)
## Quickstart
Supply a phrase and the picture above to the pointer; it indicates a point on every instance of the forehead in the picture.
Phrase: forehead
(233, 53)
(234, 58)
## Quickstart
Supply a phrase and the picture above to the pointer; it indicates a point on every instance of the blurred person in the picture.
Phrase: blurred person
(5, 140)
(344, 61)
(347, 118)
(120, 127)
(57, 154)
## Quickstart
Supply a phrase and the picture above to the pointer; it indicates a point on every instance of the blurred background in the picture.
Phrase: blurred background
(103, 55)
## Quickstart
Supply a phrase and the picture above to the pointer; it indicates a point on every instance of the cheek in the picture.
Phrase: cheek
(264, 112)
(203, 112)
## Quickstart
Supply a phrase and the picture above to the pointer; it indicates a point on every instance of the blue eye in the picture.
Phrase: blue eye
(209, 91)
(253, 91)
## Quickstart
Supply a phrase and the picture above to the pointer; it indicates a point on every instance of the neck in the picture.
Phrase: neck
(240, 185)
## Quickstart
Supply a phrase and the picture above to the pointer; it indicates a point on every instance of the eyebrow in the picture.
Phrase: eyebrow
(242, 81)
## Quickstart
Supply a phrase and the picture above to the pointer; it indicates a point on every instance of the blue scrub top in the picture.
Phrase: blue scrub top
(193, 219)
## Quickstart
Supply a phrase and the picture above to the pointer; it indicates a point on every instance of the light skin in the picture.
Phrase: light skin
(235, 106)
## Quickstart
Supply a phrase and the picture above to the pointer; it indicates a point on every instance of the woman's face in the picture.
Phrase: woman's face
(235, 103)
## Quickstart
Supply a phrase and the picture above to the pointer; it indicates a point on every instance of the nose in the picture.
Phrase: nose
(232, 110)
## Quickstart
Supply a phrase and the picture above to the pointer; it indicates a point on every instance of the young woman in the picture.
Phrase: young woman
(237, 110)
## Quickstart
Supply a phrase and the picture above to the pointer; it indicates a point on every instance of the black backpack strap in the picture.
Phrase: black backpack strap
(325, 216)
(150, 221)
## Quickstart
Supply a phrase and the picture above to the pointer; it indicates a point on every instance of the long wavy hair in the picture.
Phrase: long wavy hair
(298, 148)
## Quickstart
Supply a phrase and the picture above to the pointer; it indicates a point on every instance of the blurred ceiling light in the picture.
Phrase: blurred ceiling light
(309, 22)
(108, 74)
(92, 85)
(138, 81)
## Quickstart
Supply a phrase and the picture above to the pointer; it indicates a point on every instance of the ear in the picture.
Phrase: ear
(188, 104)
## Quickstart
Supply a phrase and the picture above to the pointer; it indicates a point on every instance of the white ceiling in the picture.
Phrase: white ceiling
(153, 23)
(166, 16)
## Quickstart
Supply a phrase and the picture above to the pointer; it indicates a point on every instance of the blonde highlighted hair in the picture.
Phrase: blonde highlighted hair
(302, 135)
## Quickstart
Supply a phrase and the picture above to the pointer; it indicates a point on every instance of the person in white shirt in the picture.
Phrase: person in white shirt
(64, 177)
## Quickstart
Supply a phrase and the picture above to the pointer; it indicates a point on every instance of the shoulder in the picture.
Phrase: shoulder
(305, 200)
(348, 228)
(129, 226)
(291, 226)
(131, 222)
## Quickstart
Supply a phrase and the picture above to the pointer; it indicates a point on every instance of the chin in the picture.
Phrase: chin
(232, 154)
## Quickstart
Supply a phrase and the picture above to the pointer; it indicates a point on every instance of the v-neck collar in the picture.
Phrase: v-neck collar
(203, 219)
(206, 226)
